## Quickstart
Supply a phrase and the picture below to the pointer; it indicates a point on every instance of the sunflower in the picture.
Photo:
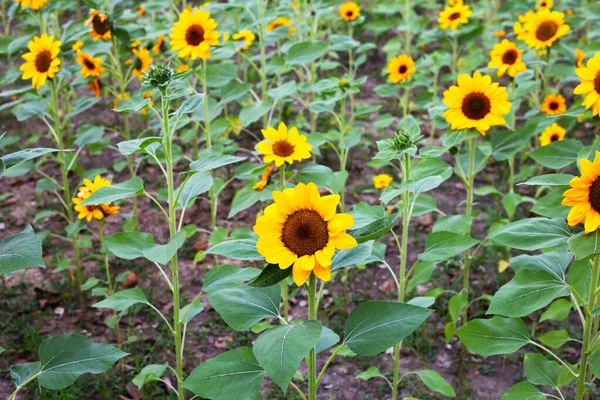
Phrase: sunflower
(584, 195)
(141, 11)
(454, 3)
(135, 43)
(99, 25)
(500, 33)
(590, 84)
(303, 229)
(246, 36)
(148, 95)
(226, 37)
(580, 56)
(453, 16)
(193, 34)
(141, 62)
(42, 60)
(120, 96)
(554, 104)
(33, 4)
(77, 46)
(544, 28)
(90, 66)
(400, 68)
(349, 11)
(95, 87)
(382, 181)
(553, 133)
(98, 211)
(544, 4)
(507, 58)
(283, 145)
(476, 103)
(182, 67)
(264, 179)
(159, 44)
(281, 21)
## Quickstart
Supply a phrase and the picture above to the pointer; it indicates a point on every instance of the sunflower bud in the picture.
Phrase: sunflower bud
(401, 142)
(158, 77)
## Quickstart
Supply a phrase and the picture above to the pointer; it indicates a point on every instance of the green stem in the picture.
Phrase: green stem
(106, 265)
(263, 58)
(284, 282)
(212, 198)
(312, 315)
(511, 174)
(407, 33)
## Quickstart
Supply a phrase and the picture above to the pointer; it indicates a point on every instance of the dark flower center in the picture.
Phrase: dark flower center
(283, 149)
(100, 25)
(89, 64)
(454, 16)
(597, 83)
(194, 35)
(402, 69)
(554, 106)
(546, 30)
(43, 61)
(595, 195)
(349, 13)
(510, 57)
(305, 232)
(137, 63)
(543, 4)
(554, 137)
(476, 106)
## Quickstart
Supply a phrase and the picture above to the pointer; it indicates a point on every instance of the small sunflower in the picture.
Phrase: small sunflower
(281, 21)
(580, 56)
(95, 87)
(159, 44)
(141, 62)
(303, 229)
(77, 46)
(349, 11)
(590, 84)
(283, 145)
(455, 3)
(554, 104)
(544, 28)
(120, 96)
(141, 11)
(264, 179)
(42, 60)
(400, 68)
(182, 67)
(90, 66)
(453, 16)
(584, 195)
(99, 25)
(544, 4)
(97, 211)
(193, 34)
(226, 37)
(476, 103)
(33, 4)
(500, 33)
(247, 36)
(553, 133)
(507, 58)
(135, 44)
(382, 181)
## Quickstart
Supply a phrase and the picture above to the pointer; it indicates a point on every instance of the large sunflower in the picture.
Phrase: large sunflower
(507, 58)
(476, 103)
(141, 62)
(90, 66)
(33, 4)
(303, 229)
(553, 133)
(283, 145)
(453, 16)
(590, 84)
(544, 28)
(584, 195)
(193, 34)
(349, 11)
(400, 68)
(42, 60)
(97, 211)
(99, 25)
(247, 36)
(554, 104)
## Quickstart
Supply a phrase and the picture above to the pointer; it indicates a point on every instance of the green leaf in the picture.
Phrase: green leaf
(253, 112)
(523, 391)
(136, 103)
(507, 144)
(285, 90)
(271, 275)
(375, 230)
(214, 161)
(128, 245)
(89, 134)
(241, 249)
(187, 313)
(123, 299)
(549, 180)
(444, 245)
(31, 109)
(456, 304)
(24, 155)
(190, 105)
(364, 214)
(595, 364)
(163, 253)
(421, 273)
(233, 375)
(372, 372)
(489, 337)
(150, 373)
(557, 155)
(224, 276)
(281, 349)
(123, 190)
(584, 246)
(320, 175)
(353, 256)
(128, 147)
(21, 251)
(554, 262)
(244, 199)
(460, 224)
(532, 233)
(196, 185)
(527, 292)
(305, 52)
(21, 373)
(81, 104)
(434, 381)
(558, 311)
(540, 371)
(375, 326)
(555, 339)
(327, 339)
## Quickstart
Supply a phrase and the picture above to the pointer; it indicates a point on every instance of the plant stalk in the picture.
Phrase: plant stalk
(312, 359)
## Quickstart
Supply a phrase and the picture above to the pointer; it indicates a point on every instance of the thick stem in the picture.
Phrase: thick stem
(407, 33)
(106, 265)
(312, 359)
(284, 284)
(263, 58)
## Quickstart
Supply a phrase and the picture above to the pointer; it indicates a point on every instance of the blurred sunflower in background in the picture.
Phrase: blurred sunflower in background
(99, 25)
(120, 96)
(382, 181)
(554, 104)
(580, 57)
(141, 62)
(544, 28)
(156, 49)
(507, 58)
(281, 21)
(264, 179)
(584, 195)
(400, 68)
(193, 34)
(247, 36)
(476, 102)
(590, 84)
(33, 4)
(349, 11)
(42, 60)
(544, 4)
(303, 229)
(553, 133)
(90, 66)
(283, 145)
(97, 211)
(95, 87)
(453, 16)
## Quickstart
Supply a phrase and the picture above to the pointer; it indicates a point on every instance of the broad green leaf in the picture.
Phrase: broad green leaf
(187, 313)
(135, 103)
(372, 372)
(281, 349)
(284, 90)
(81, 104)
(532, 233)
(460, 224)
(555, 339)
(456, 304)
(444, 245)
(233, 375)
(24, 155)
(489, 337)
(21, 251)
(31, 109)
(150, 373)
(375, 230)
(364, 214)
(214, 161)
(557, 155)
(550, 205)
(224, 276)
(252, 113)
(375, 326)
(558, 311)
(241, 249)
(271, 275)
(327, 339)
(353, 256)
(554, 262)
(595, 363)
(128, 147)
(123, 299)
(523, 391)
(246, 198)
(584, 246)
(163, 253)
(507, 144)
(190, 105)
(123, 190)
(128, 245)
(434, 381)
(21, 373)
(320, 175)
(421, 273)
(305, 52)
(549, 180)
(89, 134)
(197, 184)
(540, 371)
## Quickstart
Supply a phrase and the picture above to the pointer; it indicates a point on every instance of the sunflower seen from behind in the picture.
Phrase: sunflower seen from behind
(453, 16)
(476, 102)
(553, 133)
(544, 28)
(264, 179)
(554, 104)
(42, 60)
(349, 11)
(99, 25)
(194, 34)
(507, 58)
(90, 66)
(584, 195)
(283, 145)
(98, 211)
(590, 84)
(400, 68)
(303, 230)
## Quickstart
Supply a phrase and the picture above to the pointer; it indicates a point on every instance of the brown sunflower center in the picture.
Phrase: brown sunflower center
(553, 106)
(402, 69)
(305, 232)
(349, 13)
(543, 4)
(100, 25)
(595, 195)
(476, 105)
(597, 83)
(194, 35)
(137, 63)
(283, 148)
(89, 64)
(546, 30)
(510, 57)
(454, 16)
(554, 137)
(43, 61)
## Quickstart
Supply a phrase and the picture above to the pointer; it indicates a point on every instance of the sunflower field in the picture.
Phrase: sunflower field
(300, 199)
